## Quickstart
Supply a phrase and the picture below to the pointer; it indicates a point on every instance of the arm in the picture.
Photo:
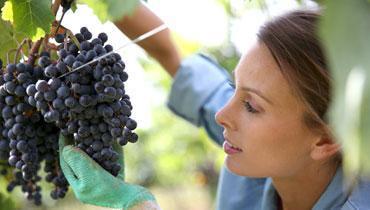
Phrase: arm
(195, 101)
(160, 46)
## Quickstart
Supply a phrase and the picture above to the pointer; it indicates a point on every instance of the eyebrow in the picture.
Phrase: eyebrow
(249, 89)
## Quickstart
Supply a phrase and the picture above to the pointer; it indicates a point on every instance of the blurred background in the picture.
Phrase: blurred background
(178, 162)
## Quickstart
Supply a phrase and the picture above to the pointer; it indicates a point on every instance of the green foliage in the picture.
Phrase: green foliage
(7, 39)
(227, 6)
(74, 6)
(345, 30)
(6, 202)
(171, 152)
(2, 2)
(226, 56)
(32, 18)
(111, 9)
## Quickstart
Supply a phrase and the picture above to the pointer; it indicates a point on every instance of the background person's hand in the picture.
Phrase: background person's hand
(92, 184)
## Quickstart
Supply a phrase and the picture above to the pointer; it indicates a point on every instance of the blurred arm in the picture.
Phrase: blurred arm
(147, 205)
(160, 46)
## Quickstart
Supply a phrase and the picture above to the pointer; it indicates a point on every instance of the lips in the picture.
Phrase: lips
(231, 149)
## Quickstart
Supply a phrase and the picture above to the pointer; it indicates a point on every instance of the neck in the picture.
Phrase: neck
(304, 189)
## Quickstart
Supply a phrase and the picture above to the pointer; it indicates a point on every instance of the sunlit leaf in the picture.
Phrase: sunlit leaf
(30, 17)
(7, 39)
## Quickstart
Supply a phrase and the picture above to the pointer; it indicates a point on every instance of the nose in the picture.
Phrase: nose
(224, 117)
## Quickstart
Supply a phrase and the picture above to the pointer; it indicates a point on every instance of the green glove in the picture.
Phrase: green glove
(94, 185)
(121, 161)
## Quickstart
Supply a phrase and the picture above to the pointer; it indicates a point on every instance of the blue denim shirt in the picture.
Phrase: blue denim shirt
(201, 88)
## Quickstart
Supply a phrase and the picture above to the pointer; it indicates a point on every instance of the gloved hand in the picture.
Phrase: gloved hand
(94, 185)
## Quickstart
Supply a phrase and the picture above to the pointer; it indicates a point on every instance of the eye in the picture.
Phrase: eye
(249, 107)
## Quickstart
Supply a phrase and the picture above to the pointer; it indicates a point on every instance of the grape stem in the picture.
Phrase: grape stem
(55, 7)
(34, 51)
(74, 39)
(45, 46)
(60, 22)
(29, 44)
(19, 50)
(52, 46)
(8, 55)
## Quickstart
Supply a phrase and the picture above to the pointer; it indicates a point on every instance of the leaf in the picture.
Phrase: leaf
(111, 9)
(74, 6)
(2, 2)
(6, 201)
(8, 39)
(30, 17)
(7, 15)
(345, 30)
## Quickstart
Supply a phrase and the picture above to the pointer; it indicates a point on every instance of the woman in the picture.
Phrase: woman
(275, 124)
(280, 150)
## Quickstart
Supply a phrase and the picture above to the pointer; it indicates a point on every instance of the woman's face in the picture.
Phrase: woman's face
(264, 120)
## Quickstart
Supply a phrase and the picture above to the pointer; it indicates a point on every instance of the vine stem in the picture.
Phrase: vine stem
(19, 50)
(45, 46)
(60, 22)
(29, 44)
(7, 55)
(55, 7)
(34, 51)
(36, 46)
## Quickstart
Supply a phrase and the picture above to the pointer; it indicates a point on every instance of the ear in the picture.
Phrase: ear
(324, 148)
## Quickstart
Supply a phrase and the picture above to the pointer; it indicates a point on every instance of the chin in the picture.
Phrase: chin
(234, 167)
(240, 170)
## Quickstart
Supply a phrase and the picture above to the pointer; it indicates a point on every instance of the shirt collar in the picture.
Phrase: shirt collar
(335, 194)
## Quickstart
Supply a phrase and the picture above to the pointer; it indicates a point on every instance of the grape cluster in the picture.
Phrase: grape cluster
(88, 105)
(26, 137)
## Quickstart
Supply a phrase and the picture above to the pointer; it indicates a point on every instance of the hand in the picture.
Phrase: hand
(94, 185)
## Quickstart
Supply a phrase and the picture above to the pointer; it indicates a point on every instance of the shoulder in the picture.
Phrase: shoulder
(359, 198)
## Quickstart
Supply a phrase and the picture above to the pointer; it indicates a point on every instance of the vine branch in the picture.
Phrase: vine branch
(8, 55)
(34, 51)
(36, 46)
(55, 7)
(19, 50)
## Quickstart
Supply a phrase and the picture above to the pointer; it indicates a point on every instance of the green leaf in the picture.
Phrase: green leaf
(2, 2)
(74, 6)
(6, 201)
(7, 15)
(30, 17)
(8, 39)
(345, 30)
(111, 9)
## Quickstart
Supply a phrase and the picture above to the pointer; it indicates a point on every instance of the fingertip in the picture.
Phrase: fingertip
(70, 151)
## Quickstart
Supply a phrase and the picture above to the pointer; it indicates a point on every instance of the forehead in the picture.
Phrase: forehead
(259, 70)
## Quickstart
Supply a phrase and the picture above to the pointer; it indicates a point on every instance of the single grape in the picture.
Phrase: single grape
(44, 61)
(59, 38)
(103, 37)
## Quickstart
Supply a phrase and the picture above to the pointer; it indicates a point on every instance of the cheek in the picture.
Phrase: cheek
(270, 148)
